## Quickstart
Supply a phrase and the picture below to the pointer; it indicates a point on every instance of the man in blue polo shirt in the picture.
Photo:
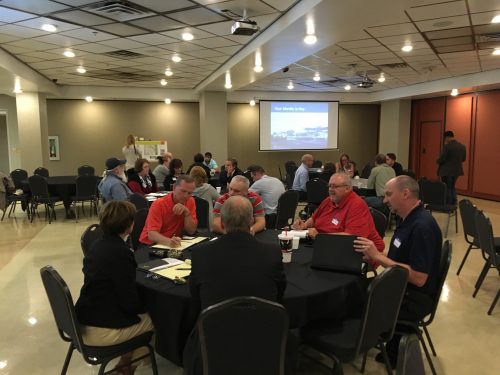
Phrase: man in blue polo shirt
(415, 245)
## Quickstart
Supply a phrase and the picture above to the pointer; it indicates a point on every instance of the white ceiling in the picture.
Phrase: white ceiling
(355, 39)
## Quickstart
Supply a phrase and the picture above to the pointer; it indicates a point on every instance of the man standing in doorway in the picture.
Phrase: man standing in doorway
(450, 165)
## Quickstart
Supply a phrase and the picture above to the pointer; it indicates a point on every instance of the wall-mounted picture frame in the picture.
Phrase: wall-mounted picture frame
(54, 147)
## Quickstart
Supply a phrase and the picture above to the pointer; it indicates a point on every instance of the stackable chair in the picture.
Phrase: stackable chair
(433, 195)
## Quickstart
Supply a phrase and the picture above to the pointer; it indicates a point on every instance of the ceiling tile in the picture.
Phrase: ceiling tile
(76, 3)
(218, 28)
(120, 29)
(452, 41)
(449, 8)
(164, 6)
(157, 23)
(34, 6)
(252, 8)
(5, 38)
(36, 23)
(242, 39)
(203, 53)
(82, 18)
(153, 51)
(16, 49)
(229, 50)
(95, 48)
(60, 40)
(455, 48)
(389, 30)
(483, 18)
(33, 44)
(196, 16)
(10, 15)
(218, 59)
(464, 56)
(483, 5)
(29, 59)
(90, 35)
(48, 64)
(443, 23)
(40, 54)
(181, 47)
(401, 39)
(197, 33)
(122, 43)
(214, 42)
(153, 39)
(449, 33)
(376, 49)
(359, 44)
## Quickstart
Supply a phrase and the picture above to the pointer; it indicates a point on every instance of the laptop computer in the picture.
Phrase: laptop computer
(336, 253)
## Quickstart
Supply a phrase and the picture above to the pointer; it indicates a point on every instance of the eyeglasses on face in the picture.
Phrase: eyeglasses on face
(332, 186)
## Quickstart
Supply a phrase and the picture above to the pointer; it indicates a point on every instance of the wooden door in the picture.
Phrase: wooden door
(430, 147)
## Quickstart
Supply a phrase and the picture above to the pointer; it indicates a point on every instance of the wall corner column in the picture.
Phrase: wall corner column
(213, 124)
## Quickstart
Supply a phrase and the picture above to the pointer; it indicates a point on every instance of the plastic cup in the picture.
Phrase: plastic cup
(286, 256)
(218, 189)
(295, 243)
(286, 242)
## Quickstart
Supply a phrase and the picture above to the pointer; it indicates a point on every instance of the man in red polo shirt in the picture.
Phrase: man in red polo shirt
(171, 215)
(239, 186)
(343, 212)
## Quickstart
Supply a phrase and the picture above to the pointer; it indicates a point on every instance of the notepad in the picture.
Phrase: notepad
(158, 264)
(184, 244)
(181, 270)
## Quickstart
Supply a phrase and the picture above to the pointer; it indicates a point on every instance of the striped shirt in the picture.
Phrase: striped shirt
(258, 207)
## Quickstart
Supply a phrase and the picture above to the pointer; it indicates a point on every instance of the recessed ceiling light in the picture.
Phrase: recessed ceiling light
(407, 48)
(48, 27)
(168, 72)
(454, 92)
(258, 68)
(163, 82)
(496, 52)
(381, 78)
(17, 86)
(176, 58)
(496, 19)
(187, 36)
(89, 99)
(81, 70)
(347, 87)
(252, 103)
(69, 53)
(3, 364)
(316, 77)
(168, 101)
(290, 85)
(32, 320)
(310, 39)
(228, 83)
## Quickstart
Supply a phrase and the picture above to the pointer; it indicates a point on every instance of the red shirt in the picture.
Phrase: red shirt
(351, 215)
(254, 198)
(161, 218)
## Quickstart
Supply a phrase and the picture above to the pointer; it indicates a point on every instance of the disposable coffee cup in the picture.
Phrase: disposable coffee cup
(218, 189)
(286, 242)
(295, 243)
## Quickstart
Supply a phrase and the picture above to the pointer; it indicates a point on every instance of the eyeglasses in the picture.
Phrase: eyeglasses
(331, 186)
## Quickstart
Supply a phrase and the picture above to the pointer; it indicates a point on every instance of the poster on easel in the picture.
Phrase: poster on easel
(150, 150)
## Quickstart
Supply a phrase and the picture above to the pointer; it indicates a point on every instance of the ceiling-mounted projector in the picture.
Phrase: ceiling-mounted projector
(244, 26)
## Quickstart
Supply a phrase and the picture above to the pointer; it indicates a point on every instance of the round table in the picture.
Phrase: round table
(310, 295)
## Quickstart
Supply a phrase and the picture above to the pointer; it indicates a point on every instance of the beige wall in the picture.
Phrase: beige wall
(89, 133)
(358, 129)
(4, 145)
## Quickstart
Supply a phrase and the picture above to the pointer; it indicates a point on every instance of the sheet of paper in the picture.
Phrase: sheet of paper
(181, 270)
(170, 262)
(184, 244)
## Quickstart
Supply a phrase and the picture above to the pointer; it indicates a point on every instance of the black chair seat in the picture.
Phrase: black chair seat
(113, 351)
(51, 199)
(441, 207)
(83, 198)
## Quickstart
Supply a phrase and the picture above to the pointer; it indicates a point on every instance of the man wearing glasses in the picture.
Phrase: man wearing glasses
(343, 212)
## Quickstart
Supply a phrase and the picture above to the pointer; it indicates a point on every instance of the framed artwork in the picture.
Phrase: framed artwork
(54, 147)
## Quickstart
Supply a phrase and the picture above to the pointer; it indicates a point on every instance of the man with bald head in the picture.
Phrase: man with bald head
(233, 265)
(302, 176)
(342, 212)
(415, 245)
(239, 187)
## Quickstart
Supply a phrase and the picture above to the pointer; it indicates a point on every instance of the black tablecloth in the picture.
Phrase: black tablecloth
(62, 186)
(310, 295)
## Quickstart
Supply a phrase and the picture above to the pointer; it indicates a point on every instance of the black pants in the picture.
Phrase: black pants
(451, 194)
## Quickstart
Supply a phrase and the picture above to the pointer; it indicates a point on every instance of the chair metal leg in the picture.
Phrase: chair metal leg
(464, 259)
(426, 351)
(431, 344)
(337, 367)
(363, 364)
(68, 358)
(481, 277)
(456, 222)
(386, 359)
(447, 226)
(153, 360)
(494, 303)
(3, 215)
(102, 367)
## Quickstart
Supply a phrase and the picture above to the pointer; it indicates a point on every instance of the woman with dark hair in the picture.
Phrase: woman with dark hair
(175, 169)
(142, 181)
(347, 166)
(109, 308)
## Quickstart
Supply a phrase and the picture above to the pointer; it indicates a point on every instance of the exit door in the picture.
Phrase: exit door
(430, 148)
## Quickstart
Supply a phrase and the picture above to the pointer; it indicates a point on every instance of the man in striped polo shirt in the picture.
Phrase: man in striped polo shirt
(239, 186)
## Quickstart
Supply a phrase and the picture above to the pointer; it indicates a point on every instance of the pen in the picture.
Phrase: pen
(183, 269)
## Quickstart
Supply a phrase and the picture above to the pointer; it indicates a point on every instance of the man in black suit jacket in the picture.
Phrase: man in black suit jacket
(450, 165)
(236, 264)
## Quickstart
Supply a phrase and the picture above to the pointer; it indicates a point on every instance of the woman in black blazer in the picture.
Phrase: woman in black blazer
(109, 308)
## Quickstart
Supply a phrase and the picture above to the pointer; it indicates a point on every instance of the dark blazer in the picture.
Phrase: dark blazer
(236, 264)
(206, 169)
(224, 179)
(451, 159)
(109, 295)
(398, 168)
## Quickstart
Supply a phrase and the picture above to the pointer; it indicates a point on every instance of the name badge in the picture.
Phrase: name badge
(335, 221)
(397, 242)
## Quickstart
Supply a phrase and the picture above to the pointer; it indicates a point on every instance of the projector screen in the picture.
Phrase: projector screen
(293, 125)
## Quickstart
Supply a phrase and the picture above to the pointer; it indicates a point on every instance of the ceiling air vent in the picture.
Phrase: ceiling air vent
(123, 54)
(120, 10)
(123, 76)
(394, 66)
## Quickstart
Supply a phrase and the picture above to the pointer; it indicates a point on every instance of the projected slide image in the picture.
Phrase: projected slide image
(299, 125)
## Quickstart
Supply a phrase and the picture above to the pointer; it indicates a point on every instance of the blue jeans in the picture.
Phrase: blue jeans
(451, 194)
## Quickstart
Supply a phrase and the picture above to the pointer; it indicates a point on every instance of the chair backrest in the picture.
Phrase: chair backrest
(383, 300)
(432, 192)
(410, 360)
(202, 212)
(367, 169)
(38, 186)
(444, 266)
(317, 164)
(317, 190)
(138, 201)
(18, 176)
(287, 205)
(380, 221)
(89, 236)
(42, 172)
(290, 168)
(468, 216)
(140, 217)
(486, 238)
(243, 335)
(86, 170)
(62, 306)
(86, 186)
